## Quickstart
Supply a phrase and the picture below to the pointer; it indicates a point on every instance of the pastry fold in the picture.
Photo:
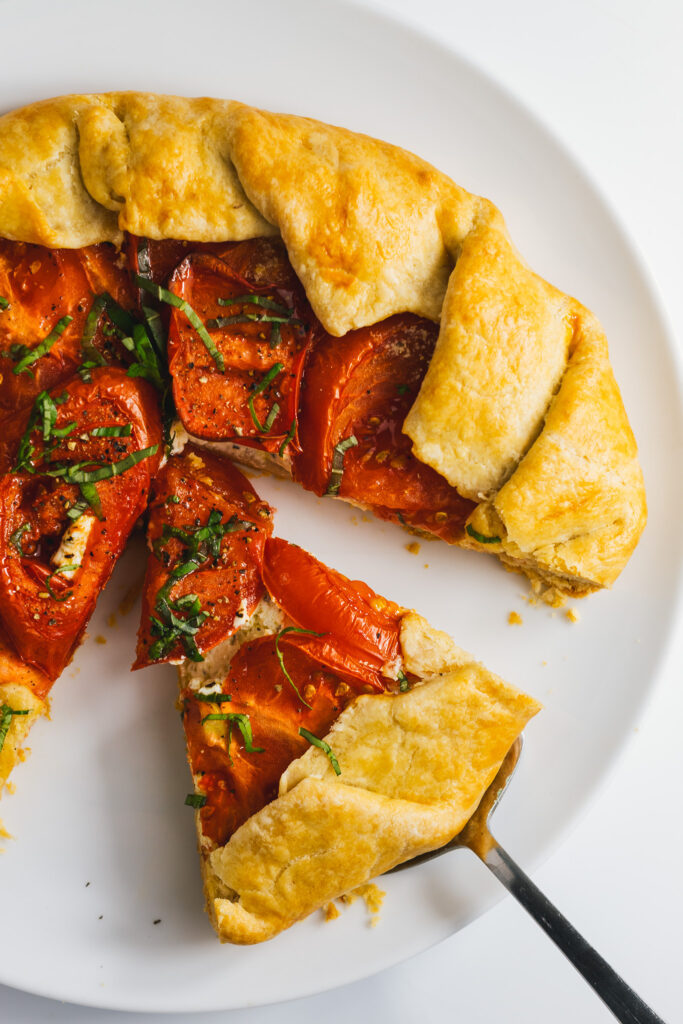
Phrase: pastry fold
(519, 409)
(414, 767)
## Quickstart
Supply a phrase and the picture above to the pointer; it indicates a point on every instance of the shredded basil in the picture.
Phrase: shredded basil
(91, 357)
(74, 473)
(57, 572)
(16, 535)
(201, 545)
(213, 698)
(403, 683)
(481, 537)
(322, 745)
(4, 303)
(243, 724)
(172, 499)
(288, 439)
(43, 347)
(195, 800)
(263, 428)
(337, 471)
(124, 431)
(6, 715)
(164, 295)
(258, 300)
(283, 632)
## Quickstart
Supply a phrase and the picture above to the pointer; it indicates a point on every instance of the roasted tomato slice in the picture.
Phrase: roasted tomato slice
(239, 778)
(157, 259)
(207, 529)
(42, 288)
(76, 473)
(359, 630)
(246, 386)
(360, 387)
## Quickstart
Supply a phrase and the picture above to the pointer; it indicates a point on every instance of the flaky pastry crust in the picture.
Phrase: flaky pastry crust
(519, 409)
(414, 767)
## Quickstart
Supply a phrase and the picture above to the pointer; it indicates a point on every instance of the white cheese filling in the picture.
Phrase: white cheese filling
(73, 546)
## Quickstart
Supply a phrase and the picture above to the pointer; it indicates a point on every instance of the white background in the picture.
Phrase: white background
(607, 77)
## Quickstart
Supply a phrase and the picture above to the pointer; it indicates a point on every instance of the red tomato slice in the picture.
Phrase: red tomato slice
(263, 346)
(45, 614)
(42, 286)
(226, 579)
(363, 385)
(360, 629)
(14, 670)
(158, 258)
(237, 783)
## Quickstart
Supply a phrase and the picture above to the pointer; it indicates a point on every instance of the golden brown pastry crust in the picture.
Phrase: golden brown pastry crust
(414, 767)
(18, 682)
(519, 406)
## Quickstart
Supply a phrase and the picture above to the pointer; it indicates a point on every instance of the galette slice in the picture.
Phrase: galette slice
(331, 733)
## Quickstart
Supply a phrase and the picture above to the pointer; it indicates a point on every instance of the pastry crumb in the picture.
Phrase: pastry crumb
(111, 620)
(99, 639)
(426, 565)
(413, 547)
(572, 615)
(515, 619)
(372, 896)
(331, 912)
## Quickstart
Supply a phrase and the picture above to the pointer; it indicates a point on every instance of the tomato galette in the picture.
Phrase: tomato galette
(186, 280)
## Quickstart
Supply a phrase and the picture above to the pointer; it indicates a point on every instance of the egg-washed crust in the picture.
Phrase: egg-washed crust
(414, 767)
(519, 409)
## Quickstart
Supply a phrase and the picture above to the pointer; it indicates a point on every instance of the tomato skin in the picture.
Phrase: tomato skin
(229, 588)
(42, 286)
(162, 256)
(363, 385)
(46, 631)
(259, 689)
(361, 630)
(214, 404)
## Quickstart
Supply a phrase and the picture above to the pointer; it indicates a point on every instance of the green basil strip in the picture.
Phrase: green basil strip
(270, 376)
(120, 317)
(91, 354)
(253, 318)
(164, 295)
(43, 347)
(243, 724)
(325, 747)
(79, 507)
(337, 471)
(4, 303)
(16, 535)
(288, 439)
(283, 632)
(481, 537)
(195, 800)
(403, 683)
(75, 474)
(57, 572)
(213, 698)
(124, 431)
(6, 715)
(258, 300)
(91, 498)
(263, 428)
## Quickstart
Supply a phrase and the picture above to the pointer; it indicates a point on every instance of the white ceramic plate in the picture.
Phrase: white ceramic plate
(104, 845)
